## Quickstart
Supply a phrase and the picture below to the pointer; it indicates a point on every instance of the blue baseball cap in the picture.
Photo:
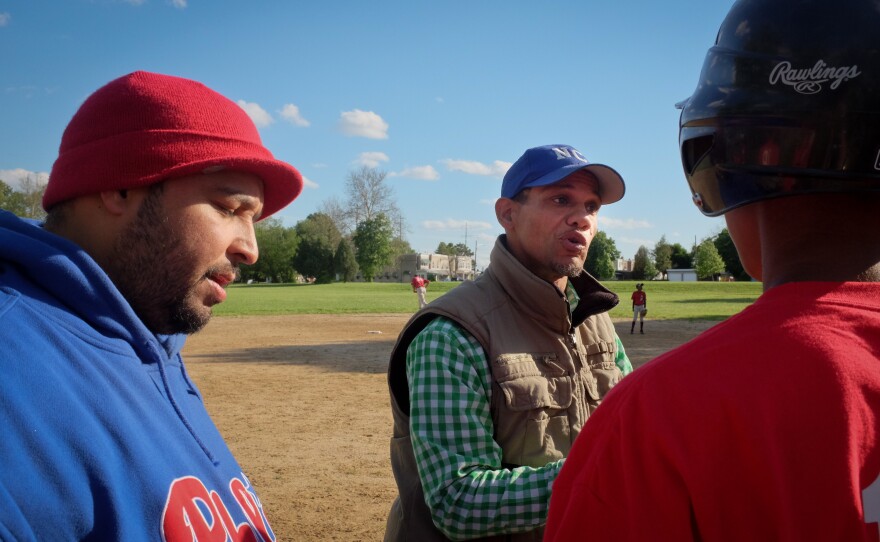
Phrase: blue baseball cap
(540, 166)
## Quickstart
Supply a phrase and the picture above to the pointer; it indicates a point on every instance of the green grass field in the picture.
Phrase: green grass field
(666, 300)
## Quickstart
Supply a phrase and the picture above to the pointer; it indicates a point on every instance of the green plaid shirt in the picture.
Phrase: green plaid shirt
(451, 428)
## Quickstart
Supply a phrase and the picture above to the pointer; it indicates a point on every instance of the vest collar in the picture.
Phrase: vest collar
(535, 294)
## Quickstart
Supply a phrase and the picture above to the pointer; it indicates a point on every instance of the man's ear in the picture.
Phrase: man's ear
(505, 209)
(116, 202)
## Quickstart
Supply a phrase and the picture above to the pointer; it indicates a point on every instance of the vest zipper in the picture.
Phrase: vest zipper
(579, 383)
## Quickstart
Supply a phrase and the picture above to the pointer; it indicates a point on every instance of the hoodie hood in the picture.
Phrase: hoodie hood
(58, 271)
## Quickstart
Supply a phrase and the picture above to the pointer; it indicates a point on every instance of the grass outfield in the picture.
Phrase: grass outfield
(666, 300)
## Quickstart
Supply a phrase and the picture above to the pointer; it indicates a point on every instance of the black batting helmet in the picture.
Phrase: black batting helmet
(788, 102)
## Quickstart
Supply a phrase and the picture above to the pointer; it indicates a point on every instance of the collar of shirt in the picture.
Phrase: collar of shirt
(572, 296)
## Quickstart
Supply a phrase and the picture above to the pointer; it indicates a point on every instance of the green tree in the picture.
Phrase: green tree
(601, 257)
(277, 248)
(32, 190)
(457, 249)
(344, 263)
(25, 202)
(399, 247)
(372, 241)
(9, 201)
(643, 267)
(366, 196)
(681, 258)
(728, 253)
(662, 255)
(318, 240)
(707, 261)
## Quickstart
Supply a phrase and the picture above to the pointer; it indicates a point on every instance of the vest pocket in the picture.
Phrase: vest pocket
(531, 416)
(600, 355)
(532, 381)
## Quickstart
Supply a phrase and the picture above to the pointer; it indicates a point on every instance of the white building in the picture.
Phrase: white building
(431, 266)
(681, 275)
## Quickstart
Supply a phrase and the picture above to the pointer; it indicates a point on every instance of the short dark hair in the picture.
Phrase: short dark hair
(522, 195)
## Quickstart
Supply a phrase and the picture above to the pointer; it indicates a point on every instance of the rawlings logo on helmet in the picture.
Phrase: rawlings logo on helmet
(810, 80)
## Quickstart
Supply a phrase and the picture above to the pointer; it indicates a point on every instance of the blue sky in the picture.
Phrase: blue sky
(443, 96)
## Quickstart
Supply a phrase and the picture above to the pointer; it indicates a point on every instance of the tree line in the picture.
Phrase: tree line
(360, 234)
(26, 201)
(710, 258)
(364, 231)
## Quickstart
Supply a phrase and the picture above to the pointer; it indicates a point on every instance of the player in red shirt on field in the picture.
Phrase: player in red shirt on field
(420, 287)
(640, 308)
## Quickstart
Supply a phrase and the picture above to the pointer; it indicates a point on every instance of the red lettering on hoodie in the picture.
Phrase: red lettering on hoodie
(192, 513)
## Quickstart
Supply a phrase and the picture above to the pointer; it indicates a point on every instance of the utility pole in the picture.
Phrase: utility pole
(476, 242)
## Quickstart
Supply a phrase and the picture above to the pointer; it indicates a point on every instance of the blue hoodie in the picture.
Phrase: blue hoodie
(104, 436)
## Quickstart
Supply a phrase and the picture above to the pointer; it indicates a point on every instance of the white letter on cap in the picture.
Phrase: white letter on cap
(561, 154)
(577, 154)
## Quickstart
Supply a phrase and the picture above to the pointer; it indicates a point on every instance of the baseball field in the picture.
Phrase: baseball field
(302, 401)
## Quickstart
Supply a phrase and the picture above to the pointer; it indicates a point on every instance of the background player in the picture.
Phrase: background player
(640, 308)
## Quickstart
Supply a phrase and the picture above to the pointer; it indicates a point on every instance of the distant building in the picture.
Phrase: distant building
(623, 268)
(682, 275)
(435, 267)
(461, 267)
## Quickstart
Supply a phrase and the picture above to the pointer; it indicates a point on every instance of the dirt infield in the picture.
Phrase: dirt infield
(303, 404)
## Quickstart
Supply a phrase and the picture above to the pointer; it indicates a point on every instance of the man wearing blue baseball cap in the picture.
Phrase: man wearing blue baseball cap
(492, 382)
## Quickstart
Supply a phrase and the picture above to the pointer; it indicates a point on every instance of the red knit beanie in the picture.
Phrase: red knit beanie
(145, 127)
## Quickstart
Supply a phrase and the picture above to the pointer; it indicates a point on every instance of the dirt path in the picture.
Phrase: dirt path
(302, 402)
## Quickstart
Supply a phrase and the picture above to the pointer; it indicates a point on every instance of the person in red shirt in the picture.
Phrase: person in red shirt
(767, 425)
(640, 308)
(420, 287)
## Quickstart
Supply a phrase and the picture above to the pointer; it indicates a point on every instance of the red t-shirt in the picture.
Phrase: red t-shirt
(418, 282)
(639, 297)
(765, 427)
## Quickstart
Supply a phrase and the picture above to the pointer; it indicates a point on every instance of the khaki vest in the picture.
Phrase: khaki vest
(549, 373)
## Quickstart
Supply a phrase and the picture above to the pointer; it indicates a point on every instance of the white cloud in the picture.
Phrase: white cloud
(5, 18)
(179, 4)
(371, 159)
(423, 173)
(623, 224)
(452, 224)
(257, 114)
(495, 169)
(308, 183)
(291, 114)
(357, 123)
(14, 177)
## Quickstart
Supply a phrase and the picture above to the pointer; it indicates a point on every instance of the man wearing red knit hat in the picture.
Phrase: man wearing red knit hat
(151, 209)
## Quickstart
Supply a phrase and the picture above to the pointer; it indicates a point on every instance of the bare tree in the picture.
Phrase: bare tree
(26, 201)
(336, 210)
(32, 189)
(367, 196)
